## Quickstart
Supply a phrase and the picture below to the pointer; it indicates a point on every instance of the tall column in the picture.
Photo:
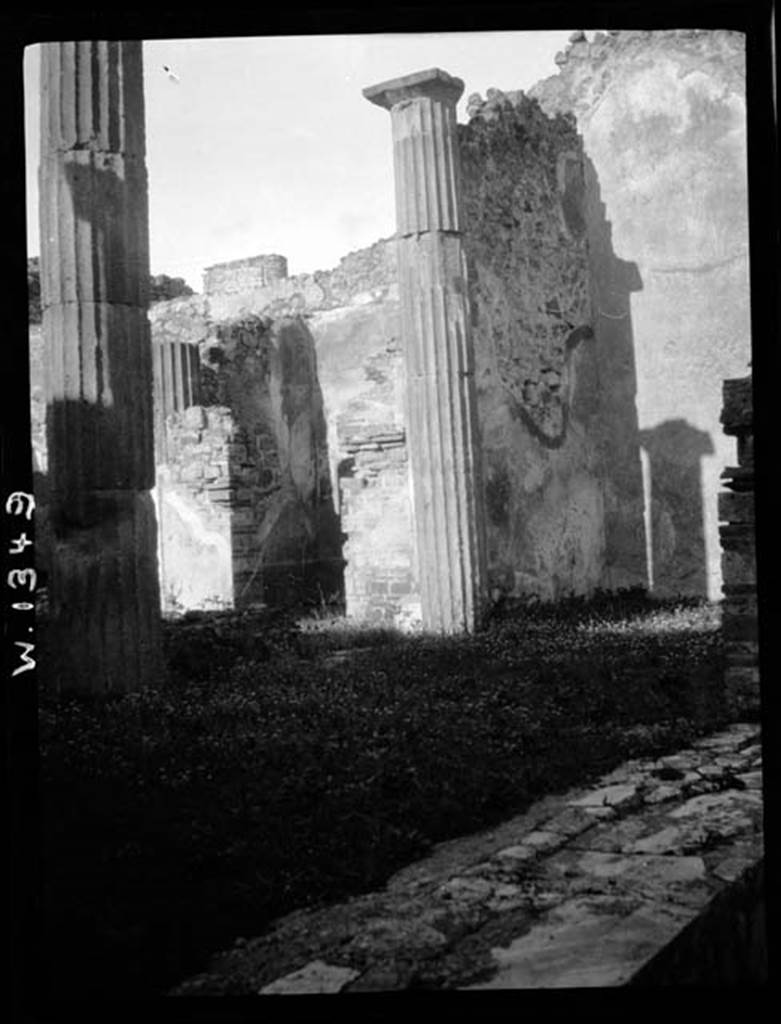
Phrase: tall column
(442, 429)
(104, 591)
(177, 385)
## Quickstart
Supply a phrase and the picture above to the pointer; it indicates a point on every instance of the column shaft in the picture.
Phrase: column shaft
(441, 413)
(94, 291)
(177, 385)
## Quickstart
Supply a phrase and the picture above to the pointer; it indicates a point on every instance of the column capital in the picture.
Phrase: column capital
(433, 83)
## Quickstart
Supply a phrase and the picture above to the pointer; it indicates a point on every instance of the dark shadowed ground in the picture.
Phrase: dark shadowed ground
(287, 763)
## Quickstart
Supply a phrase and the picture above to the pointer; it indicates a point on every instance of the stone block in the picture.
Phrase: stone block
(184, 437)
(738, 567)
(194, 417)
(742, 652)
(514, 855)
(737, 537)
(740, 627)
(316, 977)
(738, 410)
(221, 494)
(742, 679)
(243, 541)
(751, 780)
(243, 517)
(738, 478)
(736, 507)
(746, 451)
(596, 942)
(739, 589)
(618, 796)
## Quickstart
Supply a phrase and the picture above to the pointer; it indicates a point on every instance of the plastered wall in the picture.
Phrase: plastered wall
(662, 116)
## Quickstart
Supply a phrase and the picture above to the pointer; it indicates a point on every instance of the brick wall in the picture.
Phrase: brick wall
(194, 510)
(246, 475)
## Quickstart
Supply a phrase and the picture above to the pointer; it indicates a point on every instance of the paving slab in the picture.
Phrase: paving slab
(584, 889)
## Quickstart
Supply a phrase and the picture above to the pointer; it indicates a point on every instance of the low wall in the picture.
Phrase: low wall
(726, 945)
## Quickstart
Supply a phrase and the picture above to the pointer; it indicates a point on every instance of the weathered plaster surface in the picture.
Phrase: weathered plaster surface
(362, 378)
(600, 886)
(545, 479)
(662, 116)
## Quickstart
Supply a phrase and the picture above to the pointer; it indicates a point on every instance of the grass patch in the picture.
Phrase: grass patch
(267, 774)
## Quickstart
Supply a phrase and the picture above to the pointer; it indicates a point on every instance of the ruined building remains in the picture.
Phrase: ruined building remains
(518, 394)
(738, 556)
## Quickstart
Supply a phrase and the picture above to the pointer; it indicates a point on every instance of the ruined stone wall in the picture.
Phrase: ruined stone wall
(738, 555)
(662, 117)
(244, 275)
(352, 312)
(545, 388)
(194, 512)
(606, 241)
(246, 473)
(539, 392)
(365, 276)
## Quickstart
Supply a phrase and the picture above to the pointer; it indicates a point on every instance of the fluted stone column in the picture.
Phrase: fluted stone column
(442, 431)
(104, 591)
(177, 385)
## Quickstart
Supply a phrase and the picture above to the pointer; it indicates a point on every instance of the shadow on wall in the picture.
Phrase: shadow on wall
(284, 528)
(101, 522)
(605, 391)
(654, 530)
(675, 450)
(315, 572)
(555, 359)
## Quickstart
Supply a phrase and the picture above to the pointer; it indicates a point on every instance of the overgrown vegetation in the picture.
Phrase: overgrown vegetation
(280, 767)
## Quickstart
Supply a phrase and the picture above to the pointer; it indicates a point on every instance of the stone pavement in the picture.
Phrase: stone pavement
(585, 889)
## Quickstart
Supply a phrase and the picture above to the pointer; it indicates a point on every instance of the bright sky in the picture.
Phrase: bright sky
(266, 145)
